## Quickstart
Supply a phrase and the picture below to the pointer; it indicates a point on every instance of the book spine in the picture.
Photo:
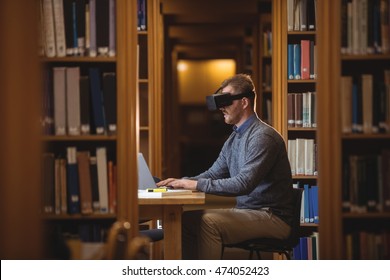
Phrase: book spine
(112, 29)
(92, 26)
(59, 27)
(50, 43)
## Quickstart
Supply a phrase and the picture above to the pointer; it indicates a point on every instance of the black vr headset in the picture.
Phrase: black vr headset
(219, 100)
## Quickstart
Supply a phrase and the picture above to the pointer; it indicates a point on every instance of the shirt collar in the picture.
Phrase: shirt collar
(241, 129)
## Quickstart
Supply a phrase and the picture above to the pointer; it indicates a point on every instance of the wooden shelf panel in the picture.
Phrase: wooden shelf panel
(371, 215)
(360, 136)
(314, 129)
(54, 217)
(308, 81)
(365, 56)
(86, 59)
(304, 177)
(300, 33)
(52, 138)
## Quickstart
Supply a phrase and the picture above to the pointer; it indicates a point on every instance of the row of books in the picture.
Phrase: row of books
(301, 15)
(308, 248)
(302, 154)
(366, 183)
(365, 102)
(267, 43)
(267, 76)
(77, 28)
(365, 27)
(86, 241)
(77, 103)
(367, 245)
(142, 15)
(309, 204)
(301, 110)
(302, 60)
(80, 184)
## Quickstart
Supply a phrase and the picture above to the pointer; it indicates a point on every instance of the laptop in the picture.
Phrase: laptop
(145, 178)
(146, 181)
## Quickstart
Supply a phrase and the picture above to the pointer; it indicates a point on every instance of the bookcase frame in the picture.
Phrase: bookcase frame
(125, 140)
(280, 88)
(335, 223)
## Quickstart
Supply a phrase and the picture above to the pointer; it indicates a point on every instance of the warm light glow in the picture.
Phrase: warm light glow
(182, 66)
(198, 78)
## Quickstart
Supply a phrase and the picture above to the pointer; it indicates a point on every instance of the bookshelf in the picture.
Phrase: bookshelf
(347, 220)
(119, 145)
(149, 84)
(294, 86)
(265, 69)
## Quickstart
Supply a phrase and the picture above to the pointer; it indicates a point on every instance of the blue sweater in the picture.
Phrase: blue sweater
(253, 166)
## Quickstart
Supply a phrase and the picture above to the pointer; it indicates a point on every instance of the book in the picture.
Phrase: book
(48, 171)
(305, 59)
(309, 156)
(59, 26)
(314, 195)
(94, 184)
(84, 182)
(97, 101)
(112, 29)
(80, 25)
(291, 155)
(109, 97)
(73, 191)
(48, 19)
(290, 61)
(85, 105)
(290, 110)
(92, 28)
(102, 27)
(68, 23)
(63, 187)
(59, 83)
(290, 15)
(73, 100)
(101, 156)
(297, 62)
(159, 194)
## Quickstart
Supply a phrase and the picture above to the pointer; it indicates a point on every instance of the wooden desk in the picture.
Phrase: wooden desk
(169, 210)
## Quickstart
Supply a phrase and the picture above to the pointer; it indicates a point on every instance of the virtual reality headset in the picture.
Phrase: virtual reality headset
(219, 100)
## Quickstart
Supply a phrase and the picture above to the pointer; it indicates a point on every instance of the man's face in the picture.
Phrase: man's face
(232, 114)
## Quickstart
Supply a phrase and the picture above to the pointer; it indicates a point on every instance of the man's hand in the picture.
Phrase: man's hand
(178, 183)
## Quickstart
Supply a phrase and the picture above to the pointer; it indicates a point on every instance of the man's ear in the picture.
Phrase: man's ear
(245, 102)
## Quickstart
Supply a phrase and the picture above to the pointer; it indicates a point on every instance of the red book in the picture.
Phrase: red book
(305, 59)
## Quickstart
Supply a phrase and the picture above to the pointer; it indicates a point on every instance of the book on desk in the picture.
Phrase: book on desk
(157, 193)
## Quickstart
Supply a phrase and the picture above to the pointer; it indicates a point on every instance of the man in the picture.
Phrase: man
(252, 166)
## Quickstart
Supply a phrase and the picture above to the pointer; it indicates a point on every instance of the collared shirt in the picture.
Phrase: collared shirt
(241, 129)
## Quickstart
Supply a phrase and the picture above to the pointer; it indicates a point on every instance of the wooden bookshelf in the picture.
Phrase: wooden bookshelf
(335, 147)
(149, 87)
(282, 86)
(264, 91)
(122, 146)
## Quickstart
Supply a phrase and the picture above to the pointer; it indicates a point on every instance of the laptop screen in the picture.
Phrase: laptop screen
(145, 178)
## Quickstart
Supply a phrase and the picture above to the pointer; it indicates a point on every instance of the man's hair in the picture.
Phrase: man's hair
(241, 83)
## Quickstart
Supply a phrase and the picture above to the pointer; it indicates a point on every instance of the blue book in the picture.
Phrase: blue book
(297, 62)
(297, 252)
(74, 25)
(97, 101)
(307, 202)
(311, 206)
(314, 194)
(290, 62)
(72, 182)
(303, 248)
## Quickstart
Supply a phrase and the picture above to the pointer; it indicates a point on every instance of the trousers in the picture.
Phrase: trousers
(204, 231)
